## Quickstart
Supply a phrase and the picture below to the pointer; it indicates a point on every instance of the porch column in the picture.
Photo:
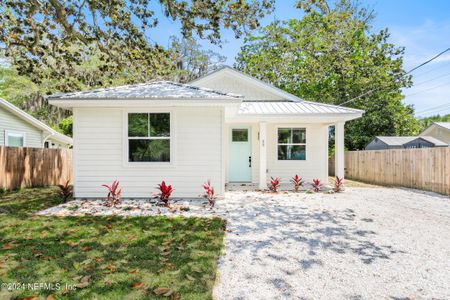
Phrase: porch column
(339, 164)
(262, 155)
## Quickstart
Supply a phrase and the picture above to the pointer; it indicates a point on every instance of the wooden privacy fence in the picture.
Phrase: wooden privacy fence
(425, 168)
(30, 167)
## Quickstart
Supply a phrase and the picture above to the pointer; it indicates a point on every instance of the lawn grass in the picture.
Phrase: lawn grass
(104, 257)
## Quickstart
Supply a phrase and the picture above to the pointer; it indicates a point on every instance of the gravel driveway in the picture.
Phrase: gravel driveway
(366, 243)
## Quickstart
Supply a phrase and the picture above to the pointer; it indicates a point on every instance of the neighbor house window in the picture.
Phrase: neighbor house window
(291, 144)
(14, 139)
(149, 137)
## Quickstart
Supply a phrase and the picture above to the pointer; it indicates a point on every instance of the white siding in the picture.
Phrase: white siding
(316, 163)
(99, 153)
(11, 122)
(231, 84)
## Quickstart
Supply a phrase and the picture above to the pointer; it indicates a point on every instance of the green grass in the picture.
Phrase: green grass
(106, 257)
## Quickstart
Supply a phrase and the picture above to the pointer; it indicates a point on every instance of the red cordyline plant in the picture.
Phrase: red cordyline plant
(113, 197)
(209, 193)
(274, 184)
(65, 190)
(298, 182)
(316, 185)
(164, 193)
(338, 184)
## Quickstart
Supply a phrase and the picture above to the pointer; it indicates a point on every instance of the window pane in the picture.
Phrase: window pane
(160, 124)
(138, 125)
(299, 136)
(239, 135)
(149, 150)
(284, 135)
(15, 141)
(291, 152)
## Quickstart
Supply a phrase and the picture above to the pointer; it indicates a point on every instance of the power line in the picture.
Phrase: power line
(445, 64)
(428, 89)
(413, 69)
(428, 61)
(434, 108)
(438, 77)
(438, 111)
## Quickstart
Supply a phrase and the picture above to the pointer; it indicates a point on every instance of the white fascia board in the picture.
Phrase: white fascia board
(47, 130)
(24, 116)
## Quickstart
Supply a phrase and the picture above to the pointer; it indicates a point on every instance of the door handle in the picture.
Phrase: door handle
(249, 161)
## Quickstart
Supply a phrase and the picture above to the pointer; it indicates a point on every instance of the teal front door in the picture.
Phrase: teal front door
(240, 160)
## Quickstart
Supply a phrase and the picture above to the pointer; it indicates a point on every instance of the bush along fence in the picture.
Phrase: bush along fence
(32, 167)
(425, 169)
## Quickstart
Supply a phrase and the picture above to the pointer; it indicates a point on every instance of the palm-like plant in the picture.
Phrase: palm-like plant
(316, 185)
(165, 190)
(209, 193)
(65, 190)
(298, 182)
(338, 184)
(274, 184)
(114, 192)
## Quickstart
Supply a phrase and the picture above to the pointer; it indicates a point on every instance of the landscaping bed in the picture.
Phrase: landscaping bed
(103, 257)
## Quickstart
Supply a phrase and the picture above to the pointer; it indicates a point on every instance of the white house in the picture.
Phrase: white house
(19, 129)
(226, 127)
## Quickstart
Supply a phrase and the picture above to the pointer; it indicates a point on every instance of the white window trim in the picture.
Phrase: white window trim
(17, 134)
(125, 138)
(293, 144)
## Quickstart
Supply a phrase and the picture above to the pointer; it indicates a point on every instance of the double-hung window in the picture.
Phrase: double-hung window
(149, 137)
(291, 144)
(14, 139)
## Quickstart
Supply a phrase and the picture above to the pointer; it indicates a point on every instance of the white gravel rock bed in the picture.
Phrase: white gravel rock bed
(130, 208)
(365, 243)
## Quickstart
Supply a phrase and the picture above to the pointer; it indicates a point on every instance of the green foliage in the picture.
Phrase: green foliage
(66, 126)
(331, 55)
(426, 122)
(51, 39)
(188, 61)
(192, 61)
(105, 257)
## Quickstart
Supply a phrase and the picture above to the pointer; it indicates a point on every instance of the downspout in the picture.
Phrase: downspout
(47, 137)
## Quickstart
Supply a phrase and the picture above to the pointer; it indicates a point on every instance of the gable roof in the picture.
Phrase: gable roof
(402, 140)
(433, 140)
(35, 122)
(150, 90)
(396, 140)
(446, 125)
(267, 86)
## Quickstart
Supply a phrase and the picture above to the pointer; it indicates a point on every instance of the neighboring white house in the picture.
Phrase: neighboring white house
(19, 129)
(438, 130)
(226, 127)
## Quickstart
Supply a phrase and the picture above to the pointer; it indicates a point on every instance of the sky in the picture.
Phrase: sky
(422, 27)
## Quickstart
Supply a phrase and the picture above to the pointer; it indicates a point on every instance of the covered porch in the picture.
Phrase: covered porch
(257, 150)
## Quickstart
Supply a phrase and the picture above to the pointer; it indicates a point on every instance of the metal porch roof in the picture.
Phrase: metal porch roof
(292, 107)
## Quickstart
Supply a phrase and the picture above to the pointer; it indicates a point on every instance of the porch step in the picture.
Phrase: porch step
(241, 186)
